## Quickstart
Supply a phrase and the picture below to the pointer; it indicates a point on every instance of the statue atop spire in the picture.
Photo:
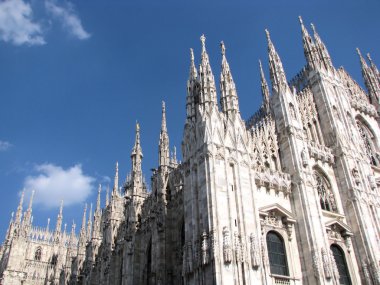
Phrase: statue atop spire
(82, 234)
(28, 213)
(163, 148)
(98, 199)
(228, 99)
(277, 73)
(264, 90)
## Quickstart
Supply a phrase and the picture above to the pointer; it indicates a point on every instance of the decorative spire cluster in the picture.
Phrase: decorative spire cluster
(228, 99)
(316, 53)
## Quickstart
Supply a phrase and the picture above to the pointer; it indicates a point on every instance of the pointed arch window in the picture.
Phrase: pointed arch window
(38, 254)
(340, 260)
(277, 254)
(325, 193)
(369, 142)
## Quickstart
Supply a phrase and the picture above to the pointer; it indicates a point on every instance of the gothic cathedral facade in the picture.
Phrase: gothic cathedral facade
(290, 196)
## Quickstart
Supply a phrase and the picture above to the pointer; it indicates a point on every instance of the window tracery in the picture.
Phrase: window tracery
(326, 196)
(368, 140)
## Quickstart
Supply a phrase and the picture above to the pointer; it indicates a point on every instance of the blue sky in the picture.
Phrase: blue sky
(76, 75)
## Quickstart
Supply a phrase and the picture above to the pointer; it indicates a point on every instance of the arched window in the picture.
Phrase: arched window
(277, 254)
(341, 264)
(37, 254)
(368, 140)
(326, 196)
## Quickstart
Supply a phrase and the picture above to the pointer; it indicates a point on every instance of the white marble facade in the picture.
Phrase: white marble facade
(290, 196)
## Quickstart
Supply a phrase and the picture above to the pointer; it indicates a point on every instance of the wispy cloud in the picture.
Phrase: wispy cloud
(4, 145)
(17, 25)
(52, 184)
(68, 18)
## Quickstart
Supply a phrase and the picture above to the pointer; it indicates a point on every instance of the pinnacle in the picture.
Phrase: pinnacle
(203, 41)
(223, 48)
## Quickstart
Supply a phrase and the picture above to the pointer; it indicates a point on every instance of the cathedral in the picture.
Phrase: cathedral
(290, 196)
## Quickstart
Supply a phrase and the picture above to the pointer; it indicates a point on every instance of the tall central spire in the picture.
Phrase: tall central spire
(229, 99)
(208, 89)
(264, 90)
(163, 148)
(277, 73)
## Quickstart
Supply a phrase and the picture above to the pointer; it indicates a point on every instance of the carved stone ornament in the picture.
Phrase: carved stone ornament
(375, 271)
(326, 264)
(316, 264)
(237, 246)
(355, 175)
(254, 251)
(205, 249)
(304, 157)
(366, 274)
(227, 250)
(372, 182)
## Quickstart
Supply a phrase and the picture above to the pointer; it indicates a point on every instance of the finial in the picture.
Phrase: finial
(163, 106)
(369, 57)
(358, 51)
(64, 228)
(22, 197)
(13, 213)
(31, 200)
(268, 35)
(203, 40)
(223, 48)
(300, 19)
(191, 55)
(48, 224)
(313, 28)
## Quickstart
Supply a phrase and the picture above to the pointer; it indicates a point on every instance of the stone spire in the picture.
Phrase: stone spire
(371, 82)
(58, 225)
(208, 90)
(98, 209)
(107, 196)
(89, 223)
(116, 180)
(322, 50)
(374, 67)
(264, 90)
(136, 157)
(97, 217)
(277, 73)
(28, 214)
(229, 99)
(19, 209)
(82, 234)
(163, 148)
(309, 48)
(193, 74)
(193, 88)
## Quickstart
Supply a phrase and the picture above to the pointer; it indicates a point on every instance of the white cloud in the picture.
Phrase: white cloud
(68, 17)
(16, 24)
(4, 145)
(53, 184)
